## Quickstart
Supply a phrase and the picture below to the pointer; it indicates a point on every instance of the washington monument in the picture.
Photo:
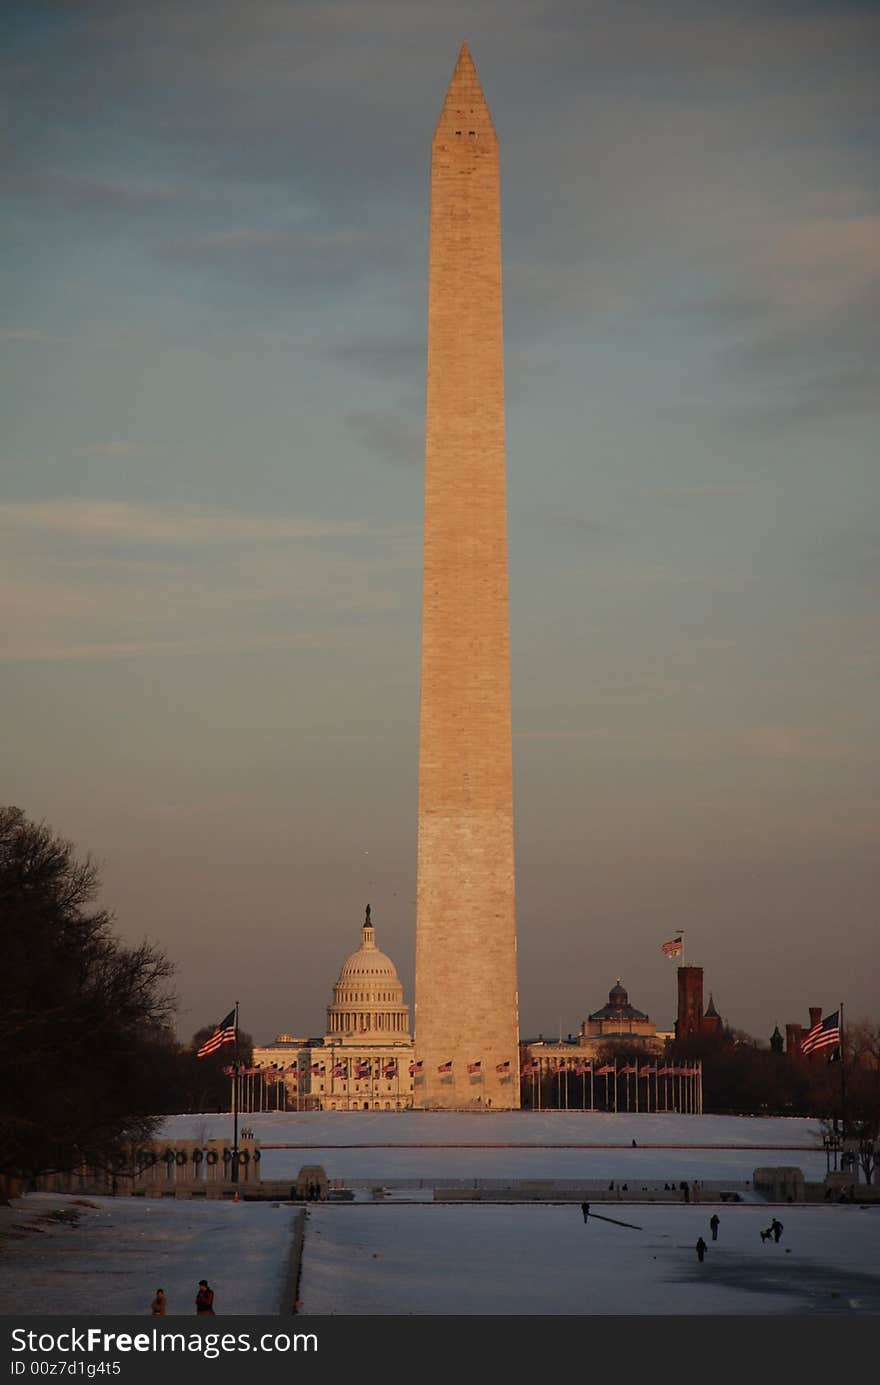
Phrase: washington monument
(466, 1021)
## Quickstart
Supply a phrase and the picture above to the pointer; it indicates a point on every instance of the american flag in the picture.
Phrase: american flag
(606, 1070)
(530, 1067)
(338, 1070)
(664, 1072)
(363, 1069)
(822, 1035)
(444, 1067)
(646, 1071)
(628, 1069)
(391, 1068)
(318, 1069)
(503, 1067)
(673, 948)
(474, 1067)
(415, 1067)
(223, 1034)
(581, 1068)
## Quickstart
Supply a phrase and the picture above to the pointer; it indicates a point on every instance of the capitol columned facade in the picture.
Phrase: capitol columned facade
(363, 1061)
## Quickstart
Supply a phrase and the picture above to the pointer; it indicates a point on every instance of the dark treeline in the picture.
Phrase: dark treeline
(743, 1077)
(179, 1082)
(89, 1055)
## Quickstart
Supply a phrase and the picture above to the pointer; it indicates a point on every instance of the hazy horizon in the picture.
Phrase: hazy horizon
(213, 347)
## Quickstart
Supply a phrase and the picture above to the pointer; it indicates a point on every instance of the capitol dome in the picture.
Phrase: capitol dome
(368, 997)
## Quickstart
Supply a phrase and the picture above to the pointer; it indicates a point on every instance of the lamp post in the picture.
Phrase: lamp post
(833, 1145)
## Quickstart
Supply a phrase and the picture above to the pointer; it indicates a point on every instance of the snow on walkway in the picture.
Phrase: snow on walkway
(109, 1255)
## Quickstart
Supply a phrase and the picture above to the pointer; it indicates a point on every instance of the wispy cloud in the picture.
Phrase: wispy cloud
(118, 521)
(296, 261)
(115, 448)
(23, 334)
(395, 434)
(86, 580)
(114, 197)
(825, 265)
(771, 743)
(39, 648)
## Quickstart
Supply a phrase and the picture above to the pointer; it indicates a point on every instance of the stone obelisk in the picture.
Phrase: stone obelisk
(466, 1021)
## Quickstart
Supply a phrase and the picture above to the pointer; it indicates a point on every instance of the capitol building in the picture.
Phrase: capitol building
(363, 1061)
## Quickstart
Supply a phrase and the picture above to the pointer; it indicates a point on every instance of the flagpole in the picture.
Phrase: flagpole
(235, 1107)
(842, 1078)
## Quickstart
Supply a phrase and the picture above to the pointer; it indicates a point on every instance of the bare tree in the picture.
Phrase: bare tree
(81, 1012)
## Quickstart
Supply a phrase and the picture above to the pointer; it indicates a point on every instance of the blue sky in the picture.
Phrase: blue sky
(212, 344)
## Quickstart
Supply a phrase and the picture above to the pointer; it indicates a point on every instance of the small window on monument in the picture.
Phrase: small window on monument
(472, 133)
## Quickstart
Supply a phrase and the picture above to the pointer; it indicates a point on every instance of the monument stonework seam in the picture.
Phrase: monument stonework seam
(466, 1006)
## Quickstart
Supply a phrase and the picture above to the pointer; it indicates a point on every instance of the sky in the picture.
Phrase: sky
(212, 343)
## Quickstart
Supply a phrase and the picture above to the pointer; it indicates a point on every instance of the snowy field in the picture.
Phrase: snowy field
(436, 1145)
(97, 1255)
(109, 1255)
(543, 1260)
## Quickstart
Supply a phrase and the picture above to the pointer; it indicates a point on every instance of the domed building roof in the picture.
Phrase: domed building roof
(369, 993)
(368, 968)
(618, 1007)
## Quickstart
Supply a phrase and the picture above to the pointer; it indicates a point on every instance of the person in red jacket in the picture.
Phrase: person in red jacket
(205, 1300)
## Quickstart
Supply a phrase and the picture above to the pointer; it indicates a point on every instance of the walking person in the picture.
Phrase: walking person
(776, 1228)
(158, 1307)
(205, 1300)
(714, 1222)
(701, 1249)
(585, 1208)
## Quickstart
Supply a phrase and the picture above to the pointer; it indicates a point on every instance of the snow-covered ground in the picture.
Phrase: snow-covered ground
(543, 1260)
(425, 1258)
(110, 1255)
(436, 1145)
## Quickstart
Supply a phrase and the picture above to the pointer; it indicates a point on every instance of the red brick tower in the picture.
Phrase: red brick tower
(690, 1003)
(712, 1023)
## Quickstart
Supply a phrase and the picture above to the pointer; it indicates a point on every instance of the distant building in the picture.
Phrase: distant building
(618, 1023)
(617, 1062)
(795, 1033)
(363, 1061)
(692, 1020)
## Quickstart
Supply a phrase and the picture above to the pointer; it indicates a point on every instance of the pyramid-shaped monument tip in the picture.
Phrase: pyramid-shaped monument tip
(465, 105)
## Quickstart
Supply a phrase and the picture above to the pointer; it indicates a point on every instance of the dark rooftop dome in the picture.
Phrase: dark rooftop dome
(618, 1007)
